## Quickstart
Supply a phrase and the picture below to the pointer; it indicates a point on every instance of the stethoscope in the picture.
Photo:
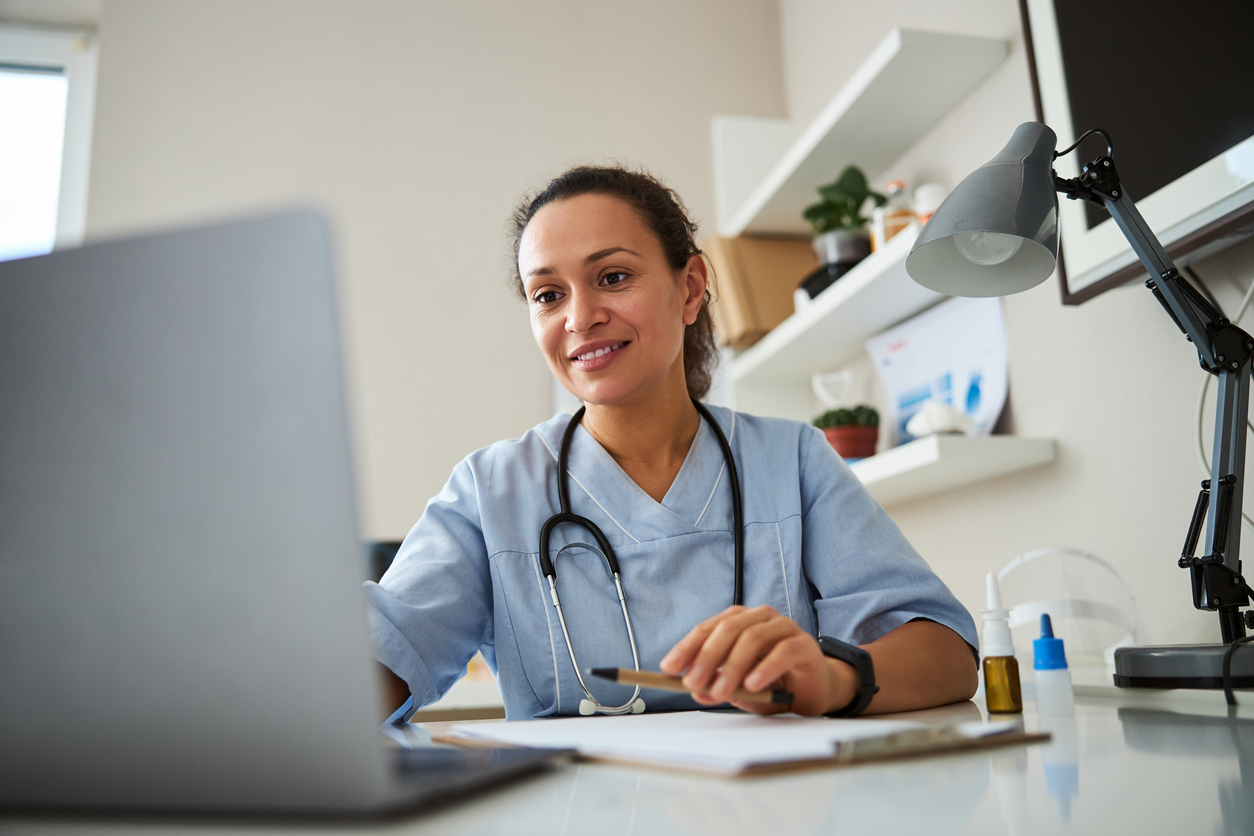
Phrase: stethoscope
(635, 705)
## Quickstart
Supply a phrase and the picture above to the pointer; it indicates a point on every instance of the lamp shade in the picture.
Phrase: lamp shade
(997, 232)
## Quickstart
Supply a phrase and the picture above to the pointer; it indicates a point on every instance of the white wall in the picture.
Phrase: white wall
(1112, 380)
(417, 126)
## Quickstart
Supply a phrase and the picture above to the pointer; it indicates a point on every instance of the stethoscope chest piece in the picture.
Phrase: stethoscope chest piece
(588, 707)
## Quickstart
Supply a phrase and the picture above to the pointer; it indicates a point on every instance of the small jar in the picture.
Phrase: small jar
(893, 216)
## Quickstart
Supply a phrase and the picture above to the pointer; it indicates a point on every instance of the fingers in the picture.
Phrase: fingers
(754, 648)
(680, 657)
(706, 699)
(719, 640)
(754, 642)
(787, 654)
(818, 684)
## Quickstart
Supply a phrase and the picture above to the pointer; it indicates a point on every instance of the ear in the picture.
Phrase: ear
(695, 277)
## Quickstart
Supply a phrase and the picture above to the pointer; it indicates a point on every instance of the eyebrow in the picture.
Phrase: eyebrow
(591, 259)
(609, 251)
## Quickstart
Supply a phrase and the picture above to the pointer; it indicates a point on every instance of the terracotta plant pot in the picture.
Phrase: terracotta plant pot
(853, 442)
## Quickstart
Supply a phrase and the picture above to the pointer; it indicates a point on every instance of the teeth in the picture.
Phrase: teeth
(592, 355)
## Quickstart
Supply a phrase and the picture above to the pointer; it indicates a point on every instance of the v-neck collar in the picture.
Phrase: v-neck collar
(683, 510)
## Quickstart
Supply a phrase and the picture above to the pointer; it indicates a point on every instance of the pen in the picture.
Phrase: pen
(665, 682)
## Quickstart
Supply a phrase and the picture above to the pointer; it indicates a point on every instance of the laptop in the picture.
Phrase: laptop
(182, 625)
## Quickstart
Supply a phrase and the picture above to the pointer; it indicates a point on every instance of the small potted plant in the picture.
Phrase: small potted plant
(853, 432)
(840, 229)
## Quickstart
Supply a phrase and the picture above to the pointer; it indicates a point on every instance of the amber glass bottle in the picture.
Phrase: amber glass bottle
(1002, 693)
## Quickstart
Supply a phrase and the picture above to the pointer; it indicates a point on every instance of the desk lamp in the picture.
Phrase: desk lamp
(997, 234)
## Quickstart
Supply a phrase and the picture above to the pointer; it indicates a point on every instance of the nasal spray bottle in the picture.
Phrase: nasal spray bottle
(1002, 694)
(1053, 680)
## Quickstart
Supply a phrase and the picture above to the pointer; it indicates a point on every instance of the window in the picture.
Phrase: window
(47, 92)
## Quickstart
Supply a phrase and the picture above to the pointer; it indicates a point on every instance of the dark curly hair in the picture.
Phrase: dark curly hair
(664, 214)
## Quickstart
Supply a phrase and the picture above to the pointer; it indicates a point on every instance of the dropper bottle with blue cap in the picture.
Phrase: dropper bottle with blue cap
(1052, 679)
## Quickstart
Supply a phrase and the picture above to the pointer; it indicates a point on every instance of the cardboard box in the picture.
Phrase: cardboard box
(754, 278)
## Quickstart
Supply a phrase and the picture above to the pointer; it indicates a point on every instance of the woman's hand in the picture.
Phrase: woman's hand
(760, 649)
(918, 665)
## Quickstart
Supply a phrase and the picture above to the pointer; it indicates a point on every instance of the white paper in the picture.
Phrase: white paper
(954, 353)
(720, 741)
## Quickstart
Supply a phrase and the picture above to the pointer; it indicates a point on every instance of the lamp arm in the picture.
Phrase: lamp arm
(1192, 312)
(1224, 350)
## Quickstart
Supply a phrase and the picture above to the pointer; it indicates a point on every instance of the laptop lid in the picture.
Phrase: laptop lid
(181, 622)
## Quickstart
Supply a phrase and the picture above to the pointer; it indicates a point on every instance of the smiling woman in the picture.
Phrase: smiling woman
(607, 195)
(617, 294)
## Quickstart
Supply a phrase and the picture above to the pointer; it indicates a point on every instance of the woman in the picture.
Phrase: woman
(619, 304)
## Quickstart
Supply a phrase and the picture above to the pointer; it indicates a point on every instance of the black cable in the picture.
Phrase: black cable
(1110, 146)
(1228, 695)
(1204, 290)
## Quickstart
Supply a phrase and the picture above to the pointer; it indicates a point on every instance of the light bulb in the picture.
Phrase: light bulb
(987, 248)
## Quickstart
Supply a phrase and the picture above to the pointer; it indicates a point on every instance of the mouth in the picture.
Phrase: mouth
(598, 359)
(599, 353)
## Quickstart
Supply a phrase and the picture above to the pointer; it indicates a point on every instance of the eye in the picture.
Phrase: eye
(614, 277)
(545, 297)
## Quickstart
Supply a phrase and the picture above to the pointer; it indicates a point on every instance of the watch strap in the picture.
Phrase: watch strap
(861, 661)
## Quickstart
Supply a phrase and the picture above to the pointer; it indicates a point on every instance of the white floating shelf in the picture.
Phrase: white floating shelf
(941, 462)
(875, 295)
(906, 85)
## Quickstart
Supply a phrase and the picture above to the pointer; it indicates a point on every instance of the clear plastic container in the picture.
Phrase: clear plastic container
(1089, 604)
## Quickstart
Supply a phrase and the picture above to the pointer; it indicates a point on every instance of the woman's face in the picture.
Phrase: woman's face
(606, 309)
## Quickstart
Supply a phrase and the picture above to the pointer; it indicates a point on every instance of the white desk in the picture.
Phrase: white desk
(1109, 770)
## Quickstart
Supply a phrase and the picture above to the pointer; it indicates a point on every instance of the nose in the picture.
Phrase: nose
(584, 311)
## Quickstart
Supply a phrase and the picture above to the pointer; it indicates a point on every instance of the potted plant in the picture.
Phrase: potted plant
(840, 229)
(853, 432)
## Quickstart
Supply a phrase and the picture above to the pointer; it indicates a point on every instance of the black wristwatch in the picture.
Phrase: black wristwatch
(861, 661)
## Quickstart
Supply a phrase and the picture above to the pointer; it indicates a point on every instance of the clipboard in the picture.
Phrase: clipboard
(904, 744)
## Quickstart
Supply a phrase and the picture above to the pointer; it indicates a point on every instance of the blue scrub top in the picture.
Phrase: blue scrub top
(818, 548)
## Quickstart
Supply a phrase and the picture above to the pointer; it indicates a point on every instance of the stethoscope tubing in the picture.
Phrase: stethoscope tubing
(570, 647)
(738, 507)
(565, 515)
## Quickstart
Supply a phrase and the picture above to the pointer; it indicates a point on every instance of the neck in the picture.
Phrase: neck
(649, 439)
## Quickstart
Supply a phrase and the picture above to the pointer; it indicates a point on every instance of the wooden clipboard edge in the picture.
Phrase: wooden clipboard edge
(964, 745)
(960, 746)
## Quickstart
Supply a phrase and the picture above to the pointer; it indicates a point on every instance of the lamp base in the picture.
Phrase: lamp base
(1182, 666)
